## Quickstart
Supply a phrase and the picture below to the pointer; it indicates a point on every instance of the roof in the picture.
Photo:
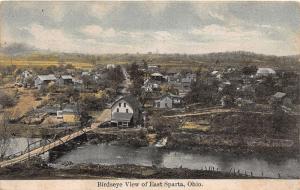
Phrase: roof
(131, 100)
(171, 96)
(70, 108)
(65, 77)
(119, 116)
(27, 71)
(85, 73)
(152, 66)
(186, 80)
(175, 96)
(49, 109)
(265, 71)
(77, 81)
(46, 77)
(279, 95)
(165, 96)
(214, 72)
(157, 75)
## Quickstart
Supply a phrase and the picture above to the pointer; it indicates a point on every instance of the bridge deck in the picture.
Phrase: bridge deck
(103, 117)
(43, 149)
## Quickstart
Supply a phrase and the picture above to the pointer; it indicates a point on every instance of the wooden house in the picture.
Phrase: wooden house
(126, 111)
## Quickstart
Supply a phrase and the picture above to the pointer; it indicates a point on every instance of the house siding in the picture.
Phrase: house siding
(165, 102)
(122, 109)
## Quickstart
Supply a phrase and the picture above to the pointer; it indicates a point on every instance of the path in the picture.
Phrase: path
(126, 82)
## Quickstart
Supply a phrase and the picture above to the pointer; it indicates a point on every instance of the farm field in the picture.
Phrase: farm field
(43, 63)
(195, 126)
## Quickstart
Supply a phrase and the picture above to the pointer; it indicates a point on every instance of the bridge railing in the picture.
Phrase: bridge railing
(42, 143)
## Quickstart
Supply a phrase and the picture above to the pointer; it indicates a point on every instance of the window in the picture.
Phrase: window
(126, 110)
(119, 104)
(166, 105)
(117, 109)
(124, 105)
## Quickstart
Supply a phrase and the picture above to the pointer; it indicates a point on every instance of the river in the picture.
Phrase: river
(110, 154)
(20, 144)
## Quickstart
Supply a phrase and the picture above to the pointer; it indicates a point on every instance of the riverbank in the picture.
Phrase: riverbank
(35, 131)
(197, 142)
(37, 169)
(231, 143)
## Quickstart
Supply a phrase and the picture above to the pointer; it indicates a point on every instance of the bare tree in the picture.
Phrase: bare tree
(4, 134)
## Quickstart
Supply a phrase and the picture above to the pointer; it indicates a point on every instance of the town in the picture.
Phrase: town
(241, 109)
(149, 90)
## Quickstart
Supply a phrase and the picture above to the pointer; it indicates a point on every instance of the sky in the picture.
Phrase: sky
(163, 27)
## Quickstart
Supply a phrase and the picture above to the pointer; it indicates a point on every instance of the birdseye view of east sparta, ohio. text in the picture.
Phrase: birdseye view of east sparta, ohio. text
(149, 90)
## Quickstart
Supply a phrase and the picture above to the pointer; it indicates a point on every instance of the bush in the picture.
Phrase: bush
(6, 100)
(163, 126)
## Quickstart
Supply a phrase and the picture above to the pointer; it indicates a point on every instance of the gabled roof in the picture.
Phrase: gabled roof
(70, 108)
(279, 95)
(265, 71)
(46, 77)
(175, 96)
(171, 96)
(65, 77)
(214, 72)
(131, 100)
(156, 75)
(165, 96)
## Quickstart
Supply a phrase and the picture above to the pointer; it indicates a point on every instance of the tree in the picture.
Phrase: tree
(249, 70)
(91, 102)
(145, 64)
(279, 118)
(203, 91)
(87, 81)
(163, 126)
(137, 77)
(6, 100)
(5, 134)
(30, 81)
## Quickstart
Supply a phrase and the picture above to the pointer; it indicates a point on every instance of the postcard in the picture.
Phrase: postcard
(150, 95)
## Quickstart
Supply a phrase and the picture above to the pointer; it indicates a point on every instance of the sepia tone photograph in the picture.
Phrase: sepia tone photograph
(149, 90)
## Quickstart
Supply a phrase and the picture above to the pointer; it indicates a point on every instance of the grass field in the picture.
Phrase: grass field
(28, 63)
(25, 103)
(195, 126)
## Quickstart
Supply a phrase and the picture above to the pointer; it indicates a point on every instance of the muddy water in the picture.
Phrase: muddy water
(109, 154)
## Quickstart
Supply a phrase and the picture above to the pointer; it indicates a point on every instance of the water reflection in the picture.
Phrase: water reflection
(108, 154)
(20, 144)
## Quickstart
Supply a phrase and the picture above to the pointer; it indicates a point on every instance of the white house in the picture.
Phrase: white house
(126, 111)
(110, 66)
(157, 77)
(168, 101)
(177, 100)
(265, 72)
(164, 102)
(25, 75)
(153, 68)
(65, 80)
(44, 80)
(189, 77)
(150, 86)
